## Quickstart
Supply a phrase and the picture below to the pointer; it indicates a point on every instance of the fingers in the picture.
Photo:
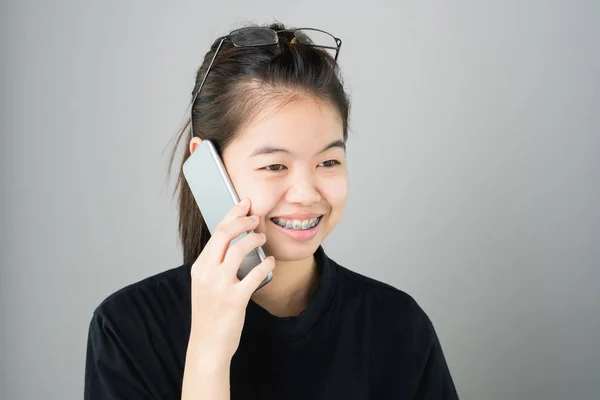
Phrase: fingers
(238, 251)
(220, 252)
(233, 225)
(258, 274)
(239, 210)
(226, 233)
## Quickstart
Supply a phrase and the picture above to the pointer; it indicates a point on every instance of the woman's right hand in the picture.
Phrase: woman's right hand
(219, 298)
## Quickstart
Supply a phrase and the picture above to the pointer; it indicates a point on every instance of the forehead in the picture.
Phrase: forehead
(300, 125)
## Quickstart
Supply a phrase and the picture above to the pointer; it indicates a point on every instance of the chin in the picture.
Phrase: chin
(286, 247)
(292, 251)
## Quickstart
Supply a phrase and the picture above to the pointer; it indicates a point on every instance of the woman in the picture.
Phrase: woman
(271, 101)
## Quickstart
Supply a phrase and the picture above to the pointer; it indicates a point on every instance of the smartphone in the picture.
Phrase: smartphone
(215, 196)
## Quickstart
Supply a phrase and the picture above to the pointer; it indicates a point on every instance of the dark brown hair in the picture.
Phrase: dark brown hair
(241, 82)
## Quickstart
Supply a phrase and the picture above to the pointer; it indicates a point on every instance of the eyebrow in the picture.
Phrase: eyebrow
(272, 150)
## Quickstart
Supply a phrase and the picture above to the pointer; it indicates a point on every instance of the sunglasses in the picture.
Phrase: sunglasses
(254, 37)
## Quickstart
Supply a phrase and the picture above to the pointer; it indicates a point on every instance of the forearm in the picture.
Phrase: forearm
(205, 383)
(205, 377)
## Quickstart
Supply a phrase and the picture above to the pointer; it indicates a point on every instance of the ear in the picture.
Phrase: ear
(194, 143)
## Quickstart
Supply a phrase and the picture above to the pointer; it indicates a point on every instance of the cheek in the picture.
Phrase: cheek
(263, 197)
(335, 192)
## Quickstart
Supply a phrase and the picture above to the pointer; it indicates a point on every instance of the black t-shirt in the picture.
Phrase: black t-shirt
(357, 339)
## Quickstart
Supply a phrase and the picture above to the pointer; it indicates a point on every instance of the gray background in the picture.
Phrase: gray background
(474, 163)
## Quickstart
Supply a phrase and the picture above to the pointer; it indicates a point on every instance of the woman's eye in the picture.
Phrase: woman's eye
(329, 163)
(275, 167)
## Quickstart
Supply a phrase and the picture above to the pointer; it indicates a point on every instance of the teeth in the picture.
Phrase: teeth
(296, 224)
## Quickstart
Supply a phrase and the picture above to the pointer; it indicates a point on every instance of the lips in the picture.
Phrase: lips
(299, 216)
(296, 224)
(299, 234)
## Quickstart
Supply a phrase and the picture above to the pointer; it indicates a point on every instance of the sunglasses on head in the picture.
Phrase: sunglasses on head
(255, 36)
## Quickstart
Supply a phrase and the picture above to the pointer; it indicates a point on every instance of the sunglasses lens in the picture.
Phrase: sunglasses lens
(253, 37)
(317, 38)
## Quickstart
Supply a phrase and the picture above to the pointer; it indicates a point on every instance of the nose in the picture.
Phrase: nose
(302, 190)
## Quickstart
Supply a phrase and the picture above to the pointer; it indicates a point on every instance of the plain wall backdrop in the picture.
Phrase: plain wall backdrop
(474, 158)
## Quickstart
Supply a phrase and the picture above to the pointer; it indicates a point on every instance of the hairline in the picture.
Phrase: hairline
(268, 100)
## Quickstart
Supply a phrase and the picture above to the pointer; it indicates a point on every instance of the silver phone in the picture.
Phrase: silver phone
(215, 196)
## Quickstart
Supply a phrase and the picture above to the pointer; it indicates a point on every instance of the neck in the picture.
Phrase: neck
(291, 288)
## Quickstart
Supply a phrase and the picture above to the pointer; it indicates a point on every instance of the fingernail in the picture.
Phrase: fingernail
(243, 203)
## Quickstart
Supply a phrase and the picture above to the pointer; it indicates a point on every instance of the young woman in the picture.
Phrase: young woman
(272, 102)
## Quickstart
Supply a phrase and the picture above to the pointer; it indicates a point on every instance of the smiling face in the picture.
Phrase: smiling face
(291, 163)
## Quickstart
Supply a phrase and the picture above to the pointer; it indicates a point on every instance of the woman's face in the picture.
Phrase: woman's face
(291, 164)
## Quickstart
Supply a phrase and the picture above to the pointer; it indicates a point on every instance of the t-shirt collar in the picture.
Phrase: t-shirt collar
(287, 329)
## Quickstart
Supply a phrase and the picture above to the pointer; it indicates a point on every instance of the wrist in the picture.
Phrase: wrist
(207, 359)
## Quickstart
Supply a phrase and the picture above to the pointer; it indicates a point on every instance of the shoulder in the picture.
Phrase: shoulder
(363, 285)
(391, 317)
(382, 299)
(151, 293)
(137, 333)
